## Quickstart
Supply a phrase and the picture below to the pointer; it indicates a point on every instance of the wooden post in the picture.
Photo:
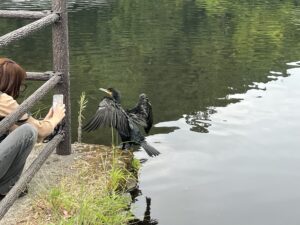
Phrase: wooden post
(61, 64)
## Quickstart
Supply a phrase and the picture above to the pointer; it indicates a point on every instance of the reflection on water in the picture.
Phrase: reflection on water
(226, 110)
(147, 220)
(241, 172)
(199, 120)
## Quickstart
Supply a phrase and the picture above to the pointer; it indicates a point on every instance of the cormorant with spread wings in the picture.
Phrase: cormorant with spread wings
(111, 114)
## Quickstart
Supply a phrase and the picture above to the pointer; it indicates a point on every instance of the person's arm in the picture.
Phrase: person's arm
(44, 127)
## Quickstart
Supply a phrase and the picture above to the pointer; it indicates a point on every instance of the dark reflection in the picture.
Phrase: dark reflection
(136, 192)
(164, 130)
(199, 120)
(147, 220)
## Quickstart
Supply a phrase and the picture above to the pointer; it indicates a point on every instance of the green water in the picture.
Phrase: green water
(222, 160)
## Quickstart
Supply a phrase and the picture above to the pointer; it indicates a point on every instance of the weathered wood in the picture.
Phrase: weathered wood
(61, 64)
(8, 121)
(28, 29)
(27, 176)
(39, 76)
(24, 14)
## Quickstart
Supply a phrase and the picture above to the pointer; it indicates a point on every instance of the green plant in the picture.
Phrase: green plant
(117, 180)
(136, 164)
(118, 175)
(82, 105)
(91, 196)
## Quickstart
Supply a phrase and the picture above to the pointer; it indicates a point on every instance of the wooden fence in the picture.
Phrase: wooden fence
(57, 79)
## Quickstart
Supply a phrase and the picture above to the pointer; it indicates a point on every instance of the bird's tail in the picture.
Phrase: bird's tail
(151, 151)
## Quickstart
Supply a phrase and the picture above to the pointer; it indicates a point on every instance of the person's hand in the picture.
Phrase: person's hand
(56, 115)
(50, 114)
(59, 112)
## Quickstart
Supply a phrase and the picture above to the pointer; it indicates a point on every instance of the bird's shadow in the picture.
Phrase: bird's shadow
(147, 220)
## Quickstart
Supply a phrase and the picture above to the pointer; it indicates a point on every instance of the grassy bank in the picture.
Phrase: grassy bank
(93, 194)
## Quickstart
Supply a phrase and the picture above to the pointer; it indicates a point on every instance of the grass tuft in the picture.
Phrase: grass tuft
(92, 195)
(82, 105)
(136, 165)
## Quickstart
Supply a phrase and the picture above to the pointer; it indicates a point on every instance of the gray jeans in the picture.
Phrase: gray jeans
(14, 150)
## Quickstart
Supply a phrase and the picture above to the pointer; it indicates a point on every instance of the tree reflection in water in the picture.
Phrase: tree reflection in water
(200, 121)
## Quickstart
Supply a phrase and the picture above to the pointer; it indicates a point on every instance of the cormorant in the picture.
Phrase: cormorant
(111, 114)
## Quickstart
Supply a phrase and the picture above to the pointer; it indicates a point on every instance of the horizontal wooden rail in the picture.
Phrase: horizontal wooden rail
(28, 29)
(9, 120)
(24, 14)
(39, 76)
(27, 176)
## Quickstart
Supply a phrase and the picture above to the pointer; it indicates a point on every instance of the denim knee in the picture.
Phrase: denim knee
(29, 132)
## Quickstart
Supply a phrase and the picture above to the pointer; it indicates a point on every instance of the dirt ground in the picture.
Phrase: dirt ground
(50, 173)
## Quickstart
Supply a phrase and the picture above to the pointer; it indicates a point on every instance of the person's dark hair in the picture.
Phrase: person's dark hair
(11, 77)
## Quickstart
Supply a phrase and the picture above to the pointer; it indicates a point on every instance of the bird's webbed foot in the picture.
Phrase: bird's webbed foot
(125, 146)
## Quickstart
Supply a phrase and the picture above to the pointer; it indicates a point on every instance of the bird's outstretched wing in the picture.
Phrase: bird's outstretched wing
(141, 114)
(109, 114)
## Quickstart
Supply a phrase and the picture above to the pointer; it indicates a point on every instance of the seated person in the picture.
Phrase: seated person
(20, 139)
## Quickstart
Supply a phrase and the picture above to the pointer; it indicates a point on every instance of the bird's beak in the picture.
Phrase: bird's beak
(105, 90)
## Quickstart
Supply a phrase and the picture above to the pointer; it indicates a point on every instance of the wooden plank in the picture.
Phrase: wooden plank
(24, 14)
(27, 176)
(39, 76)
(8, 121)
(28, 29)
(60, 41)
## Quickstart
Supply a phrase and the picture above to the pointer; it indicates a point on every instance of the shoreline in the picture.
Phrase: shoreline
(56, 168)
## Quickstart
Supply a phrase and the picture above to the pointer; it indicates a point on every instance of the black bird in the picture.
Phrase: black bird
(111, 114)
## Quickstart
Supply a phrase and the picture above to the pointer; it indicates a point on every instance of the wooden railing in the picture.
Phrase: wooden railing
(58, 79)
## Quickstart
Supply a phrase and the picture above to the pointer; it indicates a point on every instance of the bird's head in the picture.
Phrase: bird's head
(143, 97)
(112, 93)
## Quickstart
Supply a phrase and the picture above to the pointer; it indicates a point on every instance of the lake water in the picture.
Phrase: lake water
(224, 81)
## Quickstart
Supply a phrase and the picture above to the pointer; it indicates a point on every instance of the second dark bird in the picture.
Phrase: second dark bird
(110, 113)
